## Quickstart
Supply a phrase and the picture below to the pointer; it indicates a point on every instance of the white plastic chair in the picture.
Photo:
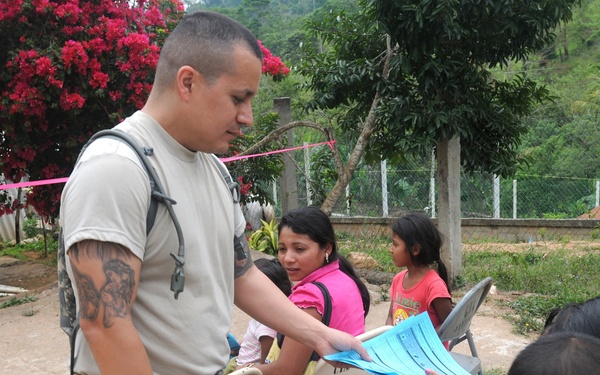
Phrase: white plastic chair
(457, 326)
(324, 368)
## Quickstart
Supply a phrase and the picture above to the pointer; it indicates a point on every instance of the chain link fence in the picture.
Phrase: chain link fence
(513, 214)
(482, 195)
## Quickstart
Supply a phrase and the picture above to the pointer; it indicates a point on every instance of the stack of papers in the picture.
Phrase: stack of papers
(406, 349)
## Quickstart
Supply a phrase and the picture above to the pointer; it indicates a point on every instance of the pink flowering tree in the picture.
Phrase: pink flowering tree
(69, 68)
(272, 65)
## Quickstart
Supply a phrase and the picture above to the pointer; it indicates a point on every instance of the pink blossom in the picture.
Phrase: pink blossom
(71, 100)
(41, 6)
(272, 64)
(69, 11)
(73, 53)
(99, 80)
(10, 9)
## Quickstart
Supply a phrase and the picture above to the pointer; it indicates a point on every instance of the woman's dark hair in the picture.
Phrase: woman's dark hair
(417, 230)
(275, 271)
(314, 223)
(575, 317)
(561, 353)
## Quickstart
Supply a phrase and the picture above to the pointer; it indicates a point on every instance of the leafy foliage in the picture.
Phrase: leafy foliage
(15, 301)
(69, 69)
(265, 239)
(439, 84)
(256, 174)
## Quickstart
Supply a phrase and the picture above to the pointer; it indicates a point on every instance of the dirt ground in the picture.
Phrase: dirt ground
(31, 341)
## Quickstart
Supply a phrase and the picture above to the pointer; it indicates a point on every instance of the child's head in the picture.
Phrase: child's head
(561, 353)
(422, 239)
(275, 271)
(575, 317)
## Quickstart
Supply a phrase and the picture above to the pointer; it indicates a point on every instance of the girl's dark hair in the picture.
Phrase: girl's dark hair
(275, 271)
(575, 317)
(314, 223)
(561, 353)
(417, 229)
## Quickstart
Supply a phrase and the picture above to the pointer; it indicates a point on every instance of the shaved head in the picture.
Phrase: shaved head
(205, 41)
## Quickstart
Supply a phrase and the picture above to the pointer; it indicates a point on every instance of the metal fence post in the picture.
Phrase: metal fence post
(597, 194)
(496, 197)
(432, 184)
(514, 199)
(307, 173)
(384, 192)
(348, 200)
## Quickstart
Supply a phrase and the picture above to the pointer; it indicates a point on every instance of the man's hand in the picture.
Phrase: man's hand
(338, 341)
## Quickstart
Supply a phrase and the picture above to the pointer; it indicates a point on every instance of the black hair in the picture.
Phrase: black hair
(275, 271)
(561, 353)
(315, 223)
(205, 41)
(417, 230)
(575, 317)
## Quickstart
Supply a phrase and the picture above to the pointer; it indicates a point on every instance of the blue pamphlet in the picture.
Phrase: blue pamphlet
(406, 349)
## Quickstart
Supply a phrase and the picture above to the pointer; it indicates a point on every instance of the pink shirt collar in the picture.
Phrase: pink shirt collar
(318, 273)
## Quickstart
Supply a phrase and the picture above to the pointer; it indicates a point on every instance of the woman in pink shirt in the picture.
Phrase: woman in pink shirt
(308, 252)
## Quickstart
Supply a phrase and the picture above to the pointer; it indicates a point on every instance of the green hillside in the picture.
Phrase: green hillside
(563, 142)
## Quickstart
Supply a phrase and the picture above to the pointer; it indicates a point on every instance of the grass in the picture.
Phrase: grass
(543, 277)
(18, 301)
(34, 251)
(547, 275)
(377, 247)
(28, 252)
(542, 280)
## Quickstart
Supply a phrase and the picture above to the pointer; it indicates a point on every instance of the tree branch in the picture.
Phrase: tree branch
(275, 134)
(361, 144)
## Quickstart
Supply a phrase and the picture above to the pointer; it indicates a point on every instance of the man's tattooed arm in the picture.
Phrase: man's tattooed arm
(106, 275)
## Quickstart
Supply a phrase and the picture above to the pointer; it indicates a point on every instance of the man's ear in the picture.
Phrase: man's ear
(186, 75)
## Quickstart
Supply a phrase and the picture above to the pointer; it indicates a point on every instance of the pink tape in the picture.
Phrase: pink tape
(34, 183)
(233, 158)
(224, 160)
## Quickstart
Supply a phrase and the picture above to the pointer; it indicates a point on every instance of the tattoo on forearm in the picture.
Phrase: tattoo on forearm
(89, 303)
(113, 299)
(117, 291)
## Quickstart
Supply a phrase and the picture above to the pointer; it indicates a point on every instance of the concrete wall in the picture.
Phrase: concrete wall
(505, 230)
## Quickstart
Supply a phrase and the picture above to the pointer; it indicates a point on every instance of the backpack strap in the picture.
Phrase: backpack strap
(325, 320)
(157, 193)
(69, 320)
(233, 186)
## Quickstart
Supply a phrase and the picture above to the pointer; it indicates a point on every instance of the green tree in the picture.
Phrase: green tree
(432, 81)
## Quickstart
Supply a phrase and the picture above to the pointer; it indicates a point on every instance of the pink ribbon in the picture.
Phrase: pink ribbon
(34, 183)
(224, 160)
(233, 158)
